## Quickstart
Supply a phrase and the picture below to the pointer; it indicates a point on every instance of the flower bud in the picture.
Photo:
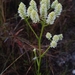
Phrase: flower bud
(34, 16)
(48, 35)
(58, 9)
(22, 10)
(51, 18)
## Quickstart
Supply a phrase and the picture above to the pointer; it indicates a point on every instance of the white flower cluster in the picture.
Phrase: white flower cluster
(51, 18)
(54, 4)
(48, 35)
(58, 9)
(45, 2)
(54, 39)
(33, 4)
(22, 10)
(43, 11)
(34, 16)
(32, 11)
(44, 6)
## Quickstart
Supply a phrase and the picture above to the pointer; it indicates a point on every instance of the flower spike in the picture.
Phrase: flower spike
(33, 4)
(22, 10)
(58, 9)
(53, 5)
(34, 16)
(29, 10)
(43, 11)
(51, 18)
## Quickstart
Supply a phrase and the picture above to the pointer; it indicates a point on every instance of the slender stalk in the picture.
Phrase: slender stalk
(39, 40)
(39, 44)
(31, 28)
(36, 58)
(45, 52)
(40, 56)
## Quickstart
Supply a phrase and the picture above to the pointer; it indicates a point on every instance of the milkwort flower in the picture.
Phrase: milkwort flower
(29, 10)
(53, 44)
(51, 18)
(58, 9)
(48, 4)
(60, 36)
(33, 4)
(43, 11)
(53, 5)
(48, 35)
(34, 16)
(45, 2)
(44, 6)
(55, 38)
(22, 10)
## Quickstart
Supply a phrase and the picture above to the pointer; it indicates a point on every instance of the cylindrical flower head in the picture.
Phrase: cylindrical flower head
(51, 18)
(53, 44)
(58, 9)
(22, 10)
(43, 11)
(53, 5)
(29, 10)
(48, 35)
(45, 2)
(60, 36)
(33, 4)
(48, 4)
(34, 16)
(55, 38)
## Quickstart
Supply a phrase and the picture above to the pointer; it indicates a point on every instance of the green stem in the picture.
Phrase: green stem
(39, 44)
(31, 28)
(39, 40)
(45, 52)
(36, 56)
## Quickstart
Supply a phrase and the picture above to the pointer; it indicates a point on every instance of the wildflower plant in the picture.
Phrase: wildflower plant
(44, 17)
